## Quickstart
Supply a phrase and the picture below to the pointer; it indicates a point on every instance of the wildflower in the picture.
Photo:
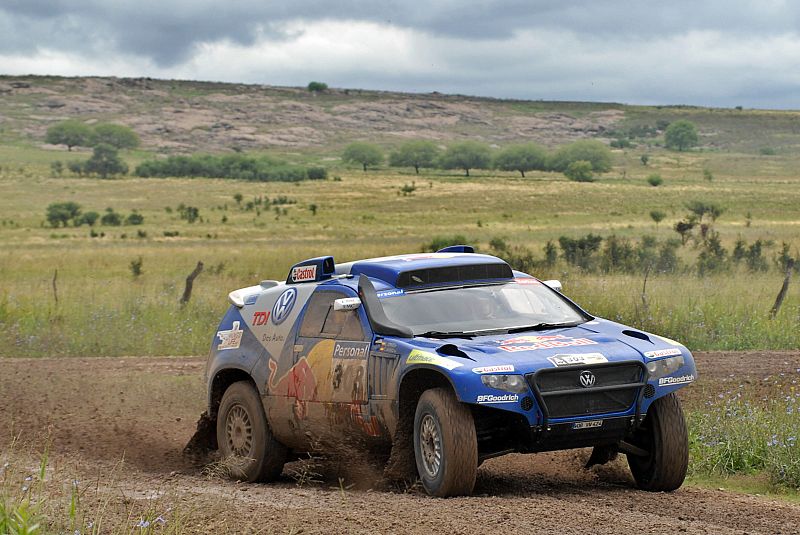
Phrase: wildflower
(90, 524)
(160, 520)
(29, 478)
(773, 442)
(143, 524)
(24, 488)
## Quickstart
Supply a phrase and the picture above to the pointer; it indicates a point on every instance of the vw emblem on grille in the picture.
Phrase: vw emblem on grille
(587, 379)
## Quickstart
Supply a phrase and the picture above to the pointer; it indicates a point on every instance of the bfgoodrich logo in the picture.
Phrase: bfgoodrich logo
(491, 398)
(669, 381)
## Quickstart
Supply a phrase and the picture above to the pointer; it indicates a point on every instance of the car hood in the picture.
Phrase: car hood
(593, 342)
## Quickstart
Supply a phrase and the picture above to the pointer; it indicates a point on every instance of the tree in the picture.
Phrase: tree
(417, 153)
(116, 135)
(317, 87)
(105, 161)
(466, 155)
(589, 150)
(657, 216)
(71, 133)
(111, 218)
(681, 135)
(61, 213)
(365, 154)
(522, 158)
(580, 171)
(89, 218)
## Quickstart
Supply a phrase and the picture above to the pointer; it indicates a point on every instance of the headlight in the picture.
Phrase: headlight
(662, 368)
(509, 383)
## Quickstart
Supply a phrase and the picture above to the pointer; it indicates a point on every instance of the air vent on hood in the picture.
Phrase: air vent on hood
(452, 350)
(637, 334)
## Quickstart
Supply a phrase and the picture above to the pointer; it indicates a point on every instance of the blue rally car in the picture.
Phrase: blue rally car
(441, 360)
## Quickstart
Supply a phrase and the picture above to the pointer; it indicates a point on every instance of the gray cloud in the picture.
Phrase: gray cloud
(715, 52)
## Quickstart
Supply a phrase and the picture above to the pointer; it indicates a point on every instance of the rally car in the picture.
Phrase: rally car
(442, 360)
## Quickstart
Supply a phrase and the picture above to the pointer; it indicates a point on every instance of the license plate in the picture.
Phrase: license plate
(587, 425)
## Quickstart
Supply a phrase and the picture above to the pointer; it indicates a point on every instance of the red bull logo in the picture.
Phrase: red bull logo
(299, 383)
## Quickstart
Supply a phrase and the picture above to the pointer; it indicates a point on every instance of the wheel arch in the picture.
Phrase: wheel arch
(220, 383)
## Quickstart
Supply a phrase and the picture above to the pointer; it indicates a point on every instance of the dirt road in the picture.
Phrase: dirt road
(118, 426)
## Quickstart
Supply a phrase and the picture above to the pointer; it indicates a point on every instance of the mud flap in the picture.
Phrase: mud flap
(204, 440)
(602, 455)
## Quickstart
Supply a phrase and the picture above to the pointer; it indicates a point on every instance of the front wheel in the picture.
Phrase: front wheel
(445, 444)
(663, 444)
(249, 450)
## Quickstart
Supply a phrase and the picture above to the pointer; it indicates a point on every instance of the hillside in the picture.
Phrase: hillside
(183, 116)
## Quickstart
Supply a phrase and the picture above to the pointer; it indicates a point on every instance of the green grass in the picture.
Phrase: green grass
(103, 310)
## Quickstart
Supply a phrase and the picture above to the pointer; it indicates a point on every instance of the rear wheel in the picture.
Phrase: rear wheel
(445, 444)
(662, 444)
(249, 450)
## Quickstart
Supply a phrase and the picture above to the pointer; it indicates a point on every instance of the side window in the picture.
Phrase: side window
(321, 321)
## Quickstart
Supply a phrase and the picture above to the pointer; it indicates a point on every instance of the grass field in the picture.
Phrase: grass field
(103, 309)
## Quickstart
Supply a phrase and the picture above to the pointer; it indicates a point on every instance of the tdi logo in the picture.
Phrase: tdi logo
(283, 306)
(260, 318)
(587, 379)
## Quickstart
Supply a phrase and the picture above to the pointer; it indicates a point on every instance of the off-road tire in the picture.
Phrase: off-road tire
(439, 412)
(664, 435)
(248, 449)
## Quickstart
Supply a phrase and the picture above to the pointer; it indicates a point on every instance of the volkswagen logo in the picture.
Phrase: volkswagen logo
(283, 306)
(587, 379)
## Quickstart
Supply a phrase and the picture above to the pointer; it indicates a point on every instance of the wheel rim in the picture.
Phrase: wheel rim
(430, 442)
(239, 431)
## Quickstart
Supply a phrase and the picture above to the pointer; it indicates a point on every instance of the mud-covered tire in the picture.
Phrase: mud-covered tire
(248, 449)
(664, 436)
(445, 444)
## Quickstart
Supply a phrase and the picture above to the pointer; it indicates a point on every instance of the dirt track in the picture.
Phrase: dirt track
(94, 411)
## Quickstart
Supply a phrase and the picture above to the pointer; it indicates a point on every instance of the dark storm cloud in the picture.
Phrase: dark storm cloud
(166, 31)
(715, 52)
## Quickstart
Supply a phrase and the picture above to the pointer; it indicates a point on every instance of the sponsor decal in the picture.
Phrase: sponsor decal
(527, 280)
(304, 273)
(587, 379)
(533, 343)
(260, 318)
(283, 306)
(579, 358)
(500, 368)
(350, 350)
(671, 352)
(274, 337)
(389, 293)
(588, 425)
(230, 339)
(671, 381)
(493, 398)
(423, 357)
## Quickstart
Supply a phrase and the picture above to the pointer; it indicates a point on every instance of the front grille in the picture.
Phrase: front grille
(608, 388)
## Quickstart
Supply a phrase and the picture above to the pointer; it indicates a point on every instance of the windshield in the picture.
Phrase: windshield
(480, 308)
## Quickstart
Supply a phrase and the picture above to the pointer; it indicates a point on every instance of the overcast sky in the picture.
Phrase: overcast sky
(719, 53)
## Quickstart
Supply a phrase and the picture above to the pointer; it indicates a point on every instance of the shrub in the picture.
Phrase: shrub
(134, 219)
(317, 173)
(235, 166)
(76, 168)
(89, 218)
(317, 87)
(57, 168)
(767, 151)
(61, 213)
(644, 158)
(440, 242)
(592, 151)
(655, 180)
(136, 267)
(580, 252)
(105, 161)
(657, 216)
(580, 171)
(189, 213)
(111, 218)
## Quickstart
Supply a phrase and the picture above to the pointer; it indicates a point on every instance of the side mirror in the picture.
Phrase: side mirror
(347, 303)
(554, 284)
